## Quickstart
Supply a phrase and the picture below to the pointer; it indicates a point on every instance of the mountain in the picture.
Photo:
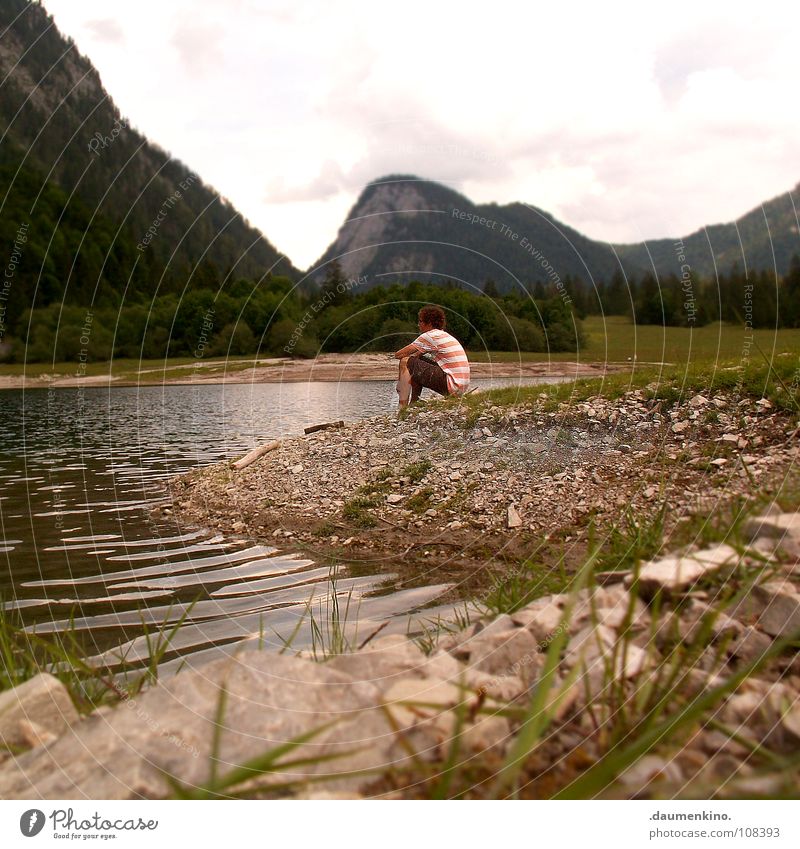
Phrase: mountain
(406, 227)
(764, 239)
(106, 211)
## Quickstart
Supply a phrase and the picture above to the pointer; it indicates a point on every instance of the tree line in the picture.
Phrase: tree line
(276, 317)
(757, 298)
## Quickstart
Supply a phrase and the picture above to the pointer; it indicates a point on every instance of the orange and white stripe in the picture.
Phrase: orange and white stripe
(449, 356)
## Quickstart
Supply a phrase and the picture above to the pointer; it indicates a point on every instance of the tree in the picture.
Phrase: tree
(790, 294)
(334, 290)
(490, 289)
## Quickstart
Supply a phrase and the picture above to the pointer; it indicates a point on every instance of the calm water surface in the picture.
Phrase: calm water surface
(80, 471)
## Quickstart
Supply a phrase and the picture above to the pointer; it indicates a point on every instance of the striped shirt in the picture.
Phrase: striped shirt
(449, 356)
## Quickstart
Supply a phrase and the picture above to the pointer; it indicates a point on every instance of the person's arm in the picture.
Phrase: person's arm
(409, 351)
(421, 345)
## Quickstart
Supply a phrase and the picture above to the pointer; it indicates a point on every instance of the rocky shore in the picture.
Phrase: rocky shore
(678, 680)
(454, 487)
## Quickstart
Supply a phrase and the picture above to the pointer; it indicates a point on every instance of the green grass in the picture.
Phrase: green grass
(357, 509)
(421, 500)
(532, 579)
(416, 471)
(615, 339)
(633, 538)
(777, 381)
(24, 655)
(656, 712)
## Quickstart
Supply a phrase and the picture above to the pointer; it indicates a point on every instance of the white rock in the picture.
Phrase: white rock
(701, 616)
(514, 520)
(650, 768)
(441, 664)
(749, 644)
(395, 498)
(780, 616)
(680, 572)
(381, 661)
(509, 653)
(169, 729)
(488, 732)
(774, 526)
(541, 618)
(411, 700)
(42, 701)
(790, 719)
(502, 688)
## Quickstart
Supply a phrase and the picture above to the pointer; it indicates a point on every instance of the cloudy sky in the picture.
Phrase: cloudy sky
(625, 122)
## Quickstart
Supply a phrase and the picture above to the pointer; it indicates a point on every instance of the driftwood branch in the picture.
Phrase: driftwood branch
(325, 426)
(253, 455)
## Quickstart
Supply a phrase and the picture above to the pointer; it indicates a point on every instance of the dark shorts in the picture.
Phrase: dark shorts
(427, 374)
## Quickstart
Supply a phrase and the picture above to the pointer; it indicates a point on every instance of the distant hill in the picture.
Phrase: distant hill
(405, 227)
(764, 239)
(108, 211)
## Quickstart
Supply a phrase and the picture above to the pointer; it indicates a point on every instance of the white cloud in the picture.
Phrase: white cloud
(106, 29)
(624, 121)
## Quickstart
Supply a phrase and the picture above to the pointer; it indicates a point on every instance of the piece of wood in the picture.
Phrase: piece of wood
(325, 426)
(253, 455)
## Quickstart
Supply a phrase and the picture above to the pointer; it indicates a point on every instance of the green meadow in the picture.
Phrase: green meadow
(615, 339)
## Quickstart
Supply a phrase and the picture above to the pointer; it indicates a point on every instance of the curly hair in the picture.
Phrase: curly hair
(434, 316)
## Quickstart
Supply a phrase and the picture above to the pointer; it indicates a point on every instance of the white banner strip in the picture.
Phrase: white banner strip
(390, 825)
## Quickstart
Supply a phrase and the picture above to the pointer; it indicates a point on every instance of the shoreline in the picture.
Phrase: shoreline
(327, 368)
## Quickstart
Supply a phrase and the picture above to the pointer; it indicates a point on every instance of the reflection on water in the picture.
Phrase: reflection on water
(81, 470)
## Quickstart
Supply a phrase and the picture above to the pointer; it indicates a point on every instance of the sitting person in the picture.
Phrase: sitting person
(434, 360)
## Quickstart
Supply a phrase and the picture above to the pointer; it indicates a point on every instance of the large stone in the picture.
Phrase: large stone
(749, 644)
(790, 719)
(501, 688)
(411, 700)
(35, 712)
(487, 734)
(382, 661)
(649, 771)
(780, 615)
(441, 664)
(460, 645)
(124, 753)
(542, 618)
(513, 519)
(590, 643)
(700, 618)
(514, 653)
(682, 572)
(774, 526)
(607, 606)
(601, 657)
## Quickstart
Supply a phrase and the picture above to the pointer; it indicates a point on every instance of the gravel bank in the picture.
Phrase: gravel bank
(455, 487)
